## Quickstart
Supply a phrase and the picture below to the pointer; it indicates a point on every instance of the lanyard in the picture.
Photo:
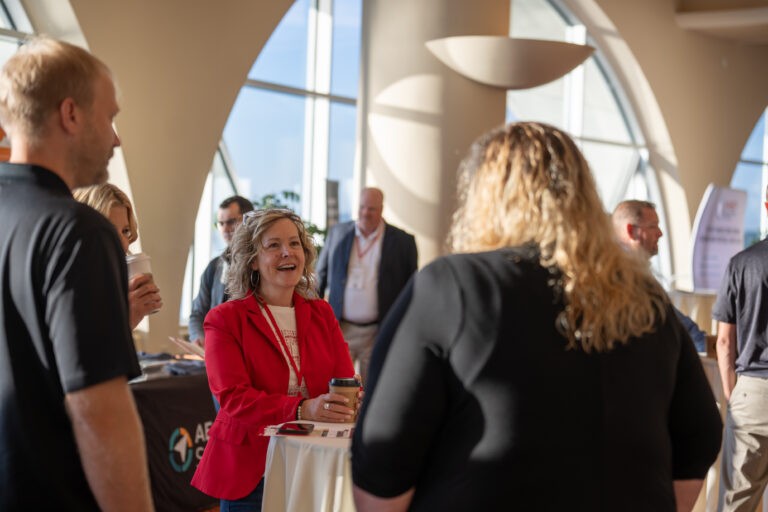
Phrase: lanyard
(282, 341)
(373, 242)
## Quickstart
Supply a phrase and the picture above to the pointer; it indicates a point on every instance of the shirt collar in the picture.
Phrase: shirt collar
(359, 234)
(31, 173)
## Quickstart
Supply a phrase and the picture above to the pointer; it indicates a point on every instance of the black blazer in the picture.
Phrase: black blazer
(398, 263)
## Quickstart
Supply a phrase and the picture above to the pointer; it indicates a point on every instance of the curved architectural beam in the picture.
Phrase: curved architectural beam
(696, 97)
(179, 67)
(748, 25)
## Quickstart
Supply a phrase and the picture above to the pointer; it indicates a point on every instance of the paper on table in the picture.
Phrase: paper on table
(330, 431)
(189, 347)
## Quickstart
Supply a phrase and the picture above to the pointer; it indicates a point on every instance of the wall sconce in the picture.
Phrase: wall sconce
(506, 62)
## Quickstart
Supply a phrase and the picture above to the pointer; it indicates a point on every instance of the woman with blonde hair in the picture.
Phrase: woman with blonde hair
(542, 369)
(111, 202)
(269, 354)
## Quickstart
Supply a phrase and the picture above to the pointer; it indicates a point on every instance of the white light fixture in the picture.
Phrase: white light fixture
(508, 63)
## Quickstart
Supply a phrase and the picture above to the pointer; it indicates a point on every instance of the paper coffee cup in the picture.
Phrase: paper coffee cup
(138, 264)
(349, 388)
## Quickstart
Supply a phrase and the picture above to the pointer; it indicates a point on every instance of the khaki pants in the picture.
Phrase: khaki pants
(360, 342)
(744, 471)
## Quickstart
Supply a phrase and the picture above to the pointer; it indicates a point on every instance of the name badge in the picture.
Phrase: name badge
(356, 278)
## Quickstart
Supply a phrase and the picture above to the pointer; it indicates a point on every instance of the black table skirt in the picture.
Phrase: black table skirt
(176, 413)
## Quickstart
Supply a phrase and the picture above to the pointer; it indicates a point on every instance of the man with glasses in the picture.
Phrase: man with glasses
(636, 224)
(212, 286)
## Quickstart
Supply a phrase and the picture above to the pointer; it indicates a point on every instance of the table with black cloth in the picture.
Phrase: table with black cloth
(176, 412)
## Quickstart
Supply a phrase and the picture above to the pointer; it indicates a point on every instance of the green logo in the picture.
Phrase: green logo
(180, 447)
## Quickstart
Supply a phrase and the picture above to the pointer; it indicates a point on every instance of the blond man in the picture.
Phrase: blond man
(70, 436)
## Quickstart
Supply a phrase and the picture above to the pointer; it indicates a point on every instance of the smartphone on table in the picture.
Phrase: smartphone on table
(294, 428)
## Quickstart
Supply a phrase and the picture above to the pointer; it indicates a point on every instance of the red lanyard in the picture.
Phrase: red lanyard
(373, 242)
(282, 341)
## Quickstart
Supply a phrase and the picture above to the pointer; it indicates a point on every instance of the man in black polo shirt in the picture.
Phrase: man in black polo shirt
(742, 357)
(70, 436)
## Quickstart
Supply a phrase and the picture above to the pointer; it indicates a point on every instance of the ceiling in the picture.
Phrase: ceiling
(743, 21)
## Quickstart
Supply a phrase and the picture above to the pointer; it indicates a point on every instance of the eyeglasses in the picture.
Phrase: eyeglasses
(649, 226)
(230, 223)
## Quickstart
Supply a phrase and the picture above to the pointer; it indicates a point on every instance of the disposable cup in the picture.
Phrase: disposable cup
(349, 388)
(138, 264)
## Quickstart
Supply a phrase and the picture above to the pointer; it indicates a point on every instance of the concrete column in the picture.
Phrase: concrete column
(418, 117)
(179, 67)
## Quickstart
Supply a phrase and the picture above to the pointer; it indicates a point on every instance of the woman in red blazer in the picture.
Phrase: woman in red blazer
(269, 352)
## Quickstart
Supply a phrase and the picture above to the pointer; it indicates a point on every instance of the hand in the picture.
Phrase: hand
(315, 409)
(143, 298)
(200, 342)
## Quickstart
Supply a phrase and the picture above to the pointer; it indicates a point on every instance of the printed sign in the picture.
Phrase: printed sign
(718, 234)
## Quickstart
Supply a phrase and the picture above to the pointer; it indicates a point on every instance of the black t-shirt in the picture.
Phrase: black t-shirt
(475, 401)
(742, 301)
(63, 327)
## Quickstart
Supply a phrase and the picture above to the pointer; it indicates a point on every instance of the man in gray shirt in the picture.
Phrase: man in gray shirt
(742, 356)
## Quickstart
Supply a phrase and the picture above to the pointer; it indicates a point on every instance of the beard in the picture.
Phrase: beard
(89, 162)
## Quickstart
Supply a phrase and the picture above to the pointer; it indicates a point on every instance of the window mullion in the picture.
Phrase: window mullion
(309, 109)
(574, 86)
(317, 173)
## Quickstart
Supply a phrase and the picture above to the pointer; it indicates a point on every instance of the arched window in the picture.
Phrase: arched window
(751, 174)
(14, 28)
(292, 126)
(589, 104)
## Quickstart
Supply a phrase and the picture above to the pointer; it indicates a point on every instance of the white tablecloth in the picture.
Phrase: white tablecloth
(308, 474)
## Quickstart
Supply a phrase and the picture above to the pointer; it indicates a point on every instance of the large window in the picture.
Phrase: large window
(589, 104)
(751, 174)
(14, 28)
(292, 127)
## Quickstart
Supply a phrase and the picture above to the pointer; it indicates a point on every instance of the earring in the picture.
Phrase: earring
(255, 279)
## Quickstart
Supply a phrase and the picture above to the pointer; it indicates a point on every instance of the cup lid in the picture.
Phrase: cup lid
(344, 382)
(136, 257)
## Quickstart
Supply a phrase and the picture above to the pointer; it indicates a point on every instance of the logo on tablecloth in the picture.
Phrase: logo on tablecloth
(180, 448)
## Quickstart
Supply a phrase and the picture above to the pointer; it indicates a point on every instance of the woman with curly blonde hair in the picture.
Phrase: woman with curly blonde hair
(269, 354)
(542, 368)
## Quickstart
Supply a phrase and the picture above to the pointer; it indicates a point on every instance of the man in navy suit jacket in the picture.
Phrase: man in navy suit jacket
(365, 264)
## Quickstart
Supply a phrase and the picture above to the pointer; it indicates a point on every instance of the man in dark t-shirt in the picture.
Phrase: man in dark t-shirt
(741, 310)
(70, 437)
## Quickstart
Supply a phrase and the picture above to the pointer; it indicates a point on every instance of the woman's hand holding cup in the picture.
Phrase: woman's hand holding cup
(327, 407)
(143, 297)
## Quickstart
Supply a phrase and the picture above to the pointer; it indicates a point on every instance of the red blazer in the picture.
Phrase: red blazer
(249, 375)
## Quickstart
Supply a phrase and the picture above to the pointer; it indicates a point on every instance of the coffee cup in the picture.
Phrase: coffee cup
(348, 387)
(138, 264)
